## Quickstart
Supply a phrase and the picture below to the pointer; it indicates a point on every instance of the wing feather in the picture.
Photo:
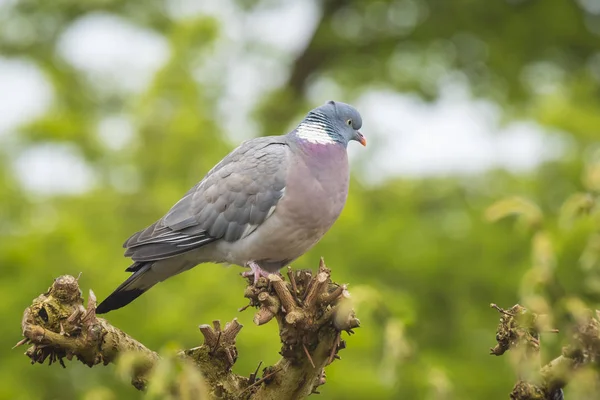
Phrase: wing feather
(232, 200)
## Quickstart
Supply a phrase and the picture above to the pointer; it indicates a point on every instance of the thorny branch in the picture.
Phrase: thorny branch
(519, 331)
(311, 312)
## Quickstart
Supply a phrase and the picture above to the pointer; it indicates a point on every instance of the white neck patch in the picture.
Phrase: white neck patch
(314, 132)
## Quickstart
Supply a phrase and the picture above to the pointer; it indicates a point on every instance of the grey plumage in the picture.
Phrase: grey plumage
(229, 203)
(263, 205)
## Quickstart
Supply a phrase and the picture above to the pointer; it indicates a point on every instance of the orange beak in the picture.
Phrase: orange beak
(361, 139)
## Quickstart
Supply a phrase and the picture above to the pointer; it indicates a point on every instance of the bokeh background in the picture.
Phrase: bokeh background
(110, 110)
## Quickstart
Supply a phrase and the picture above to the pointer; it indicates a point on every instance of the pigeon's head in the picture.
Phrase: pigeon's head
(333, 122)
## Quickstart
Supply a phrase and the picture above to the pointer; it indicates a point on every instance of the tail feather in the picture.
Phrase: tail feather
(138, 283)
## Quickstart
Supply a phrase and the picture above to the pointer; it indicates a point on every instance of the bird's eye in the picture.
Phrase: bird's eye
(349, 122)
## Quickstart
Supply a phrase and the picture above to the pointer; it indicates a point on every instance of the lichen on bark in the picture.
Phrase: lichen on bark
(310, 309)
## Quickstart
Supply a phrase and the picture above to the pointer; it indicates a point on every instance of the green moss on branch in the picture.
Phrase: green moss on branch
(311, 312)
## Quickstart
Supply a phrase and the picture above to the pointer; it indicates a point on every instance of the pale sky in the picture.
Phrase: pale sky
(455, 134)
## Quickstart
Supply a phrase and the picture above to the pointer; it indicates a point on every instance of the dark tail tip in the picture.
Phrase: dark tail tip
(119, 298)
(140, 281)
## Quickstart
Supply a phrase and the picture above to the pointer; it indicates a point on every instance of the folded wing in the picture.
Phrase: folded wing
(234, 198)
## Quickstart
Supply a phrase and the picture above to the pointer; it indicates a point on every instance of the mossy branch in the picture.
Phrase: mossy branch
(519, 331)
(311, 312)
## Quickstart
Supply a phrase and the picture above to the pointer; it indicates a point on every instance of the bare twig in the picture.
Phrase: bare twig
(287, 301)
(255, 373)
(290, 275)
(334, 348)
(261, 380)
(501, 310)
(308, 355)
(329, 298)
(316, 288)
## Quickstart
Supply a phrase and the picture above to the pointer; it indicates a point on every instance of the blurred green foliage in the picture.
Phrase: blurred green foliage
(422, 260)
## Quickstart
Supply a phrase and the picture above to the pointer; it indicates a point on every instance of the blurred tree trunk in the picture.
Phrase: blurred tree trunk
(520, 331)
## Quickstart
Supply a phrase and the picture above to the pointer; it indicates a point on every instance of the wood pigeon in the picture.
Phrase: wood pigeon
(264, 205)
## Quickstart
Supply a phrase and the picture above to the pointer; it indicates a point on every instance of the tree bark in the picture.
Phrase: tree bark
(311, 312)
